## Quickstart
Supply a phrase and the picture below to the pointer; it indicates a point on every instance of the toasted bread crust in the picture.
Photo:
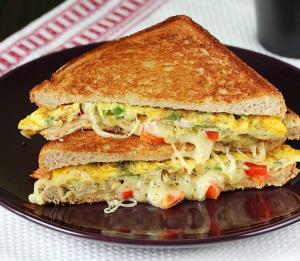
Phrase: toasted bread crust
(175, 64)
(41, 173)
(292, 122)
(83, 147)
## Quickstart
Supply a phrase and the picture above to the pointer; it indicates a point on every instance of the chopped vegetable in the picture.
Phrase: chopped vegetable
(213, 192)
(117, 111)
(258, 172)
(49, 121)
(171, 199)
(212, 135)
(127, 194)
(173, 116)
(108, 112)
(151, 139)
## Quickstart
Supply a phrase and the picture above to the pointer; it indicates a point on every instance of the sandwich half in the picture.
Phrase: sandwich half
(172, 83)
(87, 168)
(163, 115)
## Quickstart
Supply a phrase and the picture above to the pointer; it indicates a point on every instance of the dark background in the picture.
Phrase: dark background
(15, 14)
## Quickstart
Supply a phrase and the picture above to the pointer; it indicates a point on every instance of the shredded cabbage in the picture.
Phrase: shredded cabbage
(184, 124)
(178, 155)
(203, 147)
(90, 109)
(230, 169)
(258, 152)
(243, 154)
(113, 205)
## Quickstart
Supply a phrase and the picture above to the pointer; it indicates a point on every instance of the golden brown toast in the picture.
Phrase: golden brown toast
(176, 64)
(292, 122)
(83, 147)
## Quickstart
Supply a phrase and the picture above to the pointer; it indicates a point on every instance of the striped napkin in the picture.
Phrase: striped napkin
(74, 23)
(84, 21)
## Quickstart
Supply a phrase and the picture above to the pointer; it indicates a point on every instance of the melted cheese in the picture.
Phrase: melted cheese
(43, 118)
(114, 204)
(175, 127)
(91, 111)
(202, 146)
(151, 181)
(114, 114)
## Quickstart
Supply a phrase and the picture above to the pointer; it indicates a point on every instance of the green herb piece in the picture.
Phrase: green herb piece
(123, 165)
(173, 116)
(278, 163)
(202, 126)
(49, 121)
(124, 168)
(117, 111)
(108, 113)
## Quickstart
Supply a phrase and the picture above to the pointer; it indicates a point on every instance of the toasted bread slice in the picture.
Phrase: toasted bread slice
(146, 171)
(292, 122)
(83, 147)
(176, 64)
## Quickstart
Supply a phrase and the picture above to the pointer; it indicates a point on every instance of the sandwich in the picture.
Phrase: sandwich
(175, 97)
(87, 168)
(172, 83)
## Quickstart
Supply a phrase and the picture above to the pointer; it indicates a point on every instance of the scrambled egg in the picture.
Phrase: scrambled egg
(171, 126)
(114, 114)
(152, 181)
(43, 118)
(98, 171)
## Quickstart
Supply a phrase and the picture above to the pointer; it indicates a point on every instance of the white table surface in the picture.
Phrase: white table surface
(233, 22)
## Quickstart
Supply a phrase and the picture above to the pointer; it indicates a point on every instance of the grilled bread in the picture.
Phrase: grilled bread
(87, 168)
(163, 115)
(175, 64)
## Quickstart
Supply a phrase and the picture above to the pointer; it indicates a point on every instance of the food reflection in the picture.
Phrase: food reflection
(232, 212)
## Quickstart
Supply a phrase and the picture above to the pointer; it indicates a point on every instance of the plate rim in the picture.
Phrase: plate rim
(152, 243)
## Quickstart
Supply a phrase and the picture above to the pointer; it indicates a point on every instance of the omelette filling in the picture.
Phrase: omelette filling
(161, 184)
(180, 128)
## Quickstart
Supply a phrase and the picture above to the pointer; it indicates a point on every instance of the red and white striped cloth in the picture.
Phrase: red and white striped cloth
(74, 23)
(79, 22)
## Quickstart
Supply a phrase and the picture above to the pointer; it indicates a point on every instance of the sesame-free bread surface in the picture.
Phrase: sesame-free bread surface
(292, 122)
(175, 64)
(83, 147)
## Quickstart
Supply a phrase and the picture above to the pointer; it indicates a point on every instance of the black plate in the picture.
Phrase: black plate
(235, 215)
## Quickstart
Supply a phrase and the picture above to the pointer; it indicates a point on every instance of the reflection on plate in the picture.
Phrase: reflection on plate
(234, 215)
(234, 212)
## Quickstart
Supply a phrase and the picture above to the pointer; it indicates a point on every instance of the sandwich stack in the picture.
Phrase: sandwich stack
(160, 116)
